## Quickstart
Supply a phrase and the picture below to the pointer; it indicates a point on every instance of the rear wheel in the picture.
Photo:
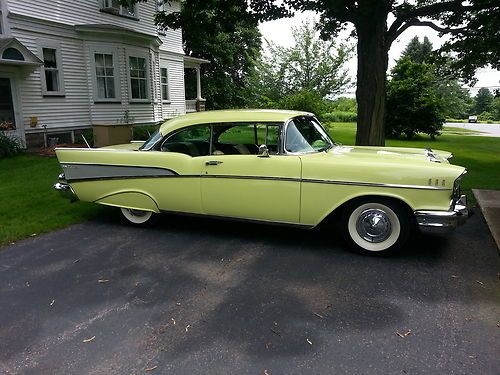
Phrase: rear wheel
(138, 217)
(376, 227)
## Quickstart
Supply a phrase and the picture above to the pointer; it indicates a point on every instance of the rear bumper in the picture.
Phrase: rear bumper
(443, 221)
(64, 189)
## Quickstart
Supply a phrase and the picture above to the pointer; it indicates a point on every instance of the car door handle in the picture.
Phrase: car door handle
(213, 162)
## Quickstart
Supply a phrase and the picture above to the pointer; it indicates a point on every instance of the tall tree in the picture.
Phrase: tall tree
(310, 64)
(375, 36)
(483, 101)
(417, 51)
(223, 32)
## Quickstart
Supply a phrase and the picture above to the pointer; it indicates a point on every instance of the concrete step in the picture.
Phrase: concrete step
(489, 203)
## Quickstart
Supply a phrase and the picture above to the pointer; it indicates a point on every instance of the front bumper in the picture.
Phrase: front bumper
(64, 189)
(443, 221)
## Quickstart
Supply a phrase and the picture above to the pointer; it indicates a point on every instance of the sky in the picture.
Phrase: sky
(280, 32)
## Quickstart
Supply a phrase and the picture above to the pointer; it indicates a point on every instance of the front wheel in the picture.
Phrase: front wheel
(376, 227)
(138, 217)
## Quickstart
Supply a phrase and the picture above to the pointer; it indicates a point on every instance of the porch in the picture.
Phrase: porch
(194, 99)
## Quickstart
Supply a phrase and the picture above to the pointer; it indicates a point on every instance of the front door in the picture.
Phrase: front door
(236, 182)
(7, 113)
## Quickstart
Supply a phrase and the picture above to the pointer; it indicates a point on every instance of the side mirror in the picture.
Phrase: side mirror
(263, 152)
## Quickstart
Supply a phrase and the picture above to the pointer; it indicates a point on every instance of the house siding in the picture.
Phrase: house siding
(33, 22)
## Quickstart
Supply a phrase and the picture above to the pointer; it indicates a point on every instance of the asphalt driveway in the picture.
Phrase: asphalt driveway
(195, 296)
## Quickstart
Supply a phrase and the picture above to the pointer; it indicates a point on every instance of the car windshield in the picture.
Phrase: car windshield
(155, 137)
(304, 134)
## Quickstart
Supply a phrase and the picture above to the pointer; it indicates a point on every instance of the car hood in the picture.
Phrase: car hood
(392, 153)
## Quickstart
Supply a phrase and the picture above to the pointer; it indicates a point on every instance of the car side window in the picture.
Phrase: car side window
(244, 139)
(194, 141)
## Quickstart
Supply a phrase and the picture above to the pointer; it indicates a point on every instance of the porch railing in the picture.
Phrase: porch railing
(195, 105)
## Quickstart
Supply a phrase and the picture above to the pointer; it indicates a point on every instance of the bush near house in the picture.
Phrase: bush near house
(9, 146)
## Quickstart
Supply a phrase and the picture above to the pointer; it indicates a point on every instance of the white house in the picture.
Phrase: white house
(68, 64)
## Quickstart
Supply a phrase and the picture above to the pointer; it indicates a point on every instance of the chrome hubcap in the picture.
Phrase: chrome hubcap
(373, 225)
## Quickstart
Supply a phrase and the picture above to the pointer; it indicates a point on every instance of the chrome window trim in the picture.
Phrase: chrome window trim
(285, 131)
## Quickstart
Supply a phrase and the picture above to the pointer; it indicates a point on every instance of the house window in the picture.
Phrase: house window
(52, 82)
(105, 76)
(138, 79)
(114, 7)
(165, 96)
(12, 54)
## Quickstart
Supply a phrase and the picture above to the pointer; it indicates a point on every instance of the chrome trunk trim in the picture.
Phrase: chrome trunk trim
(66, 191)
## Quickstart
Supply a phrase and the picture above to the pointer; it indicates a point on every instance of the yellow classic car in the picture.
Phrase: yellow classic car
(271, 166)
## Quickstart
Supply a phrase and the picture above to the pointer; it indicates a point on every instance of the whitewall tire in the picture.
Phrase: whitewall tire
(138, 217)
(376, 227)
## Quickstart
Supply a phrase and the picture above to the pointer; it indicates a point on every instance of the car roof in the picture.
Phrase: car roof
(233, 115)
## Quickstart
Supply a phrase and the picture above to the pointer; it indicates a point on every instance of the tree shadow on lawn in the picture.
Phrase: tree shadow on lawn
(191, 284)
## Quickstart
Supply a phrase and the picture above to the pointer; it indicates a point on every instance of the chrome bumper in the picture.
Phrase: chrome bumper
(64, 189)
(443, 221)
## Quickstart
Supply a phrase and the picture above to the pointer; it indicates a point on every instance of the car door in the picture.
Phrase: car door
(236, 182)
(182, 153)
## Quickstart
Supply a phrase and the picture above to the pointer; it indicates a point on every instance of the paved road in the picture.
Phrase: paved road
(211, 297)
(489, 130)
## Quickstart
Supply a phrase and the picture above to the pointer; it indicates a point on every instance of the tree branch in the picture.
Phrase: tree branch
(405, 15)
(417, 22)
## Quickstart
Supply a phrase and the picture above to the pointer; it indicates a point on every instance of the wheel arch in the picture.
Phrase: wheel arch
(337, 211)
(132, 199)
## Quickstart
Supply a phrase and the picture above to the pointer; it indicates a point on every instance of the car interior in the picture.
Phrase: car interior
(228, 140)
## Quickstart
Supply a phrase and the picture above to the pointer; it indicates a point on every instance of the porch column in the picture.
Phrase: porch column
(198, 83)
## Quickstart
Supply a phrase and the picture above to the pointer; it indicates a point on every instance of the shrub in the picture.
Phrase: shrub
(412, 103)
(305, 100)
(485, 116)
(340, 116)
(9, 145)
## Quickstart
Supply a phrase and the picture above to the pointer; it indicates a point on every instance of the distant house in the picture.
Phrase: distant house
(68, 64)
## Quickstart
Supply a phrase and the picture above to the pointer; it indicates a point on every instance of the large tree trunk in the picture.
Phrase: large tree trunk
(371, 78)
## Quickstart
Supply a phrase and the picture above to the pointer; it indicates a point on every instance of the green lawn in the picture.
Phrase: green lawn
(29, 205)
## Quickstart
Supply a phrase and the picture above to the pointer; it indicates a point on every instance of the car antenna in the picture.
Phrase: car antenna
(85, 140)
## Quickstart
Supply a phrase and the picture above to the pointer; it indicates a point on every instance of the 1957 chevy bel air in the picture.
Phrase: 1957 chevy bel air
(271, 166)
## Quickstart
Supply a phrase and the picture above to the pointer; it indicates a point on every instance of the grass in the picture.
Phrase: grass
(451, 130)
(480, 155)
(29, 205)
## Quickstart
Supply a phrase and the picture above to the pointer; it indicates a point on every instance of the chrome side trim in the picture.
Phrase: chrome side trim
(443, 221)
(373, 184)
(292, 179)
(78, 172)
(81, 171)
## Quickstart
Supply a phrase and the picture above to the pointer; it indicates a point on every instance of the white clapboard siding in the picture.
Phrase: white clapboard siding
(69, 111)
(172, 39)
(33, 21)
(177, 105)
(78, 12)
